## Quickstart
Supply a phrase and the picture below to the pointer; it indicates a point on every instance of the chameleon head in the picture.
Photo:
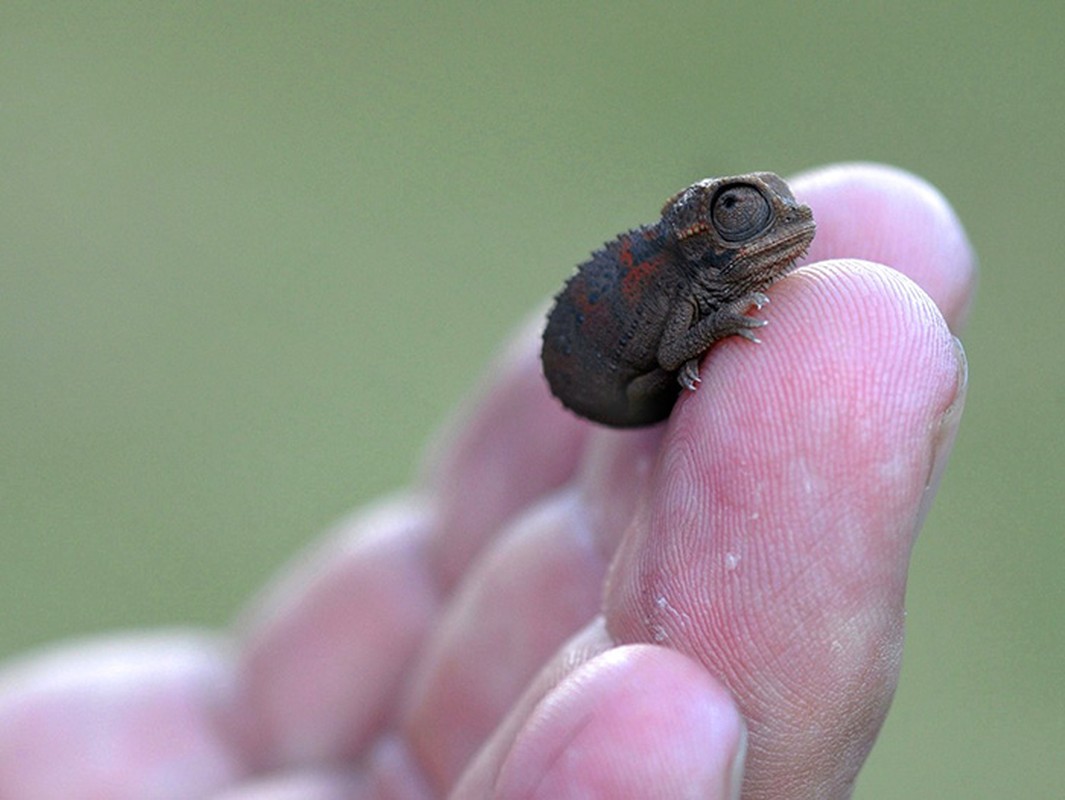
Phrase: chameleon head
(750, 227)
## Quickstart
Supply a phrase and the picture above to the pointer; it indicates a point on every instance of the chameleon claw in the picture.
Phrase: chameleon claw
(759, 300)
(750, 335)
(688, 377)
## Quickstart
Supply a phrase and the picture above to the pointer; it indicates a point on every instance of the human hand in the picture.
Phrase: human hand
(556, 609)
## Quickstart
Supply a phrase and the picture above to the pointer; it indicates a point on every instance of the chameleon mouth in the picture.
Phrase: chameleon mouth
(783, 250)
(696, 229)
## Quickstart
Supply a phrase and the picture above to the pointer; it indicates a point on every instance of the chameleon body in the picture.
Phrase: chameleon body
(627, 330)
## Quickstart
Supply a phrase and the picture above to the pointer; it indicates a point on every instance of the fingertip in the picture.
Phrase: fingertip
(139, 716)
(636, 721)
(322, 648)
(887, 215)
(847, 337)
(858, 375)
(508, 444)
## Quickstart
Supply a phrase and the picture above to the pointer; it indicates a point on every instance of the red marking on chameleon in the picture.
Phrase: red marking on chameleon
(635, 280)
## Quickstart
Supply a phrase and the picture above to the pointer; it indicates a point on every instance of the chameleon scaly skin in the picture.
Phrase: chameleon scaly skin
(627, 330)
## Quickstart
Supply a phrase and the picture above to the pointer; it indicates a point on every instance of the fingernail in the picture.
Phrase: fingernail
(735, 787)
(943, 436)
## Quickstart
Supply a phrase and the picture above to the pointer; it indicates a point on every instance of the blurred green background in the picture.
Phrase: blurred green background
(251, 254)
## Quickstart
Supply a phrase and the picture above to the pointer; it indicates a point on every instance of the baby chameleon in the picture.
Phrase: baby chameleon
(628, 329)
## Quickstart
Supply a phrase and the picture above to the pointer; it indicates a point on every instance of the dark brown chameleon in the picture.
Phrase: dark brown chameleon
(627, 330)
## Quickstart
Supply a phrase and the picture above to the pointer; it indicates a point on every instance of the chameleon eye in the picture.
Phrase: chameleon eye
(740, 212)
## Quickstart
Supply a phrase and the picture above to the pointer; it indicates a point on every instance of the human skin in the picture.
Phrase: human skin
(555, 609)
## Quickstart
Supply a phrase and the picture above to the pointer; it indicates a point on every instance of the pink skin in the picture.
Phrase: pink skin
(557, 609)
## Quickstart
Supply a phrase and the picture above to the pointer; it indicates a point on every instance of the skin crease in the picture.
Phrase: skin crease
(556, 608)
